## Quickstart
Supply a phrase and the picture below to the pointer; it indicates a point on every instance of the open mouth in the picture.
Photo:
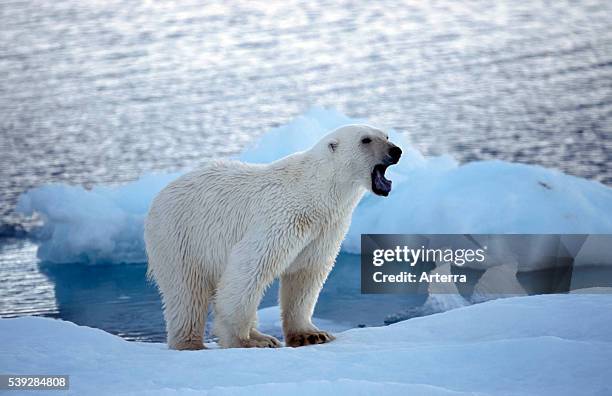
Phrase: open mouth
(380, 184)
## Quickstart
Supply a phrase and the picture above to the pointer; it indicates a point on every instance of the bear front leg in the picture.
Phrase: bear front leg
(253, 264)
(236, 302)
(299, 293)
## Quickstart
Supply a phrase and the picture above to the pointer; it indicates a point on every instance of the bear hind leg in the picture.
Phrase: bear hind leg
(185, 313)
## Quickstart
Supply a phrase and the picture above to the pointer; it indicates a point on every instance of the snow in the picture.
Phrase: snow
(430, 195)
(544, 345)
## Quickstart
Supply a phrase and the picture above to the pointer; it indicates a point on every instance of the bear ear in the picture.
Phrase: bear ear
(332, 145)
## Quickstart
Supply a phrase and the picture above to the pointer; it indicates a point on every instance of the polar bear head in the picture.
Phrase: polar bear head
(361, 155)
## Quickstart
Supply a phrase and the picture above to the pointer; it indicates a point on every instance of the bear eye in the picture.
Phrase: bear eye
(366, 140)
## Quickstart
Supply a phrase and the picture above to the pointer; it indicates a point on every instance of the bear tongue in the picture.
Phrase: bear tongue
(382, 185)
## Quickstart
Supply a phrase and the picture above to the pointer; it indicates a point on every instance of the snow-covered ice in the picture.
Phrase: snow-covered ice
(104, 224)
(430, 195)
(538, 345)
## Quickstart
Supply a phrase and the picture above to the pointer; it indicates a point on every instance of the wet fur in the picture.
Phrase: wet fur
(223, 233)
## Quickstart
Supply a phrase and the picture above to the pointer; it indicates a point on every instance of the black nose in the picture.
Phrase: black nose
(395, 153)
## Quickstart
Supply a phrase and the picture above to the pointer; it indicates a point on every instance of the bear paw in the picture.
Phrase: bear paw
(262, 341)
(309, 338)
(257, 336)
(190, 345)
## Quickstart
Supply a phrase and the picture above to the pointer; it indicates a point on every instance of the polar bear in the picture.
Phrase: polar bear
(223, 233)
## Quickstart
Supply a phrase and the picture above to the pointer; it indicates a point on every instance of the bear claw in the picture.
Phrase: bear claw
(261, 342)
(309, 338)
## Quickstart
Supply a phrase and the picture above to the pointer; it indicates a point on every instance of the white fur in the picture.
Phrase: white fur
(223, 233)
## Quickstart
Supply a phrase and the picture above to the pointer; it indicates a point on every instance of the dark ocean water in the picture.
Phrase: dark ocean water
(101, 92)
